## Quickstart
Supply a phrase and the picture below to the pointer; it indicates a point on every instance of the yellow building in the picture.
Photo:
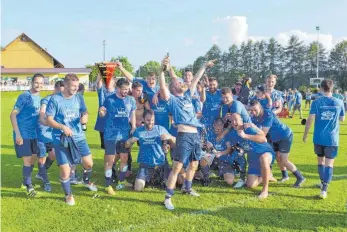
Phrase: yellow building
(22, 58)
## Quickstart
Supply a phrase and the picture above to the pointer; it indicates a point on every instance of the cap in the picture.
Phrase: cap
(260, 88)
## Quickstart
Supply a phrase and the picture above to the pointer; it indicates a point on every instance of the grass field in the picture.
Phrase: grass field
(220, 208)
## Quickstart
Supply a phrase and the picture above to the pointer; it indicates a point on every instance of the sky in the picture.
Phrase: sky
(73, 31)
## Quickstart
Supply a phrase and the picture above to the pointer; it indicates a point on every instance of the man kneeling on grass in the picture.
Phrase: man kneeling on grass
(151, 155)
(260, 153)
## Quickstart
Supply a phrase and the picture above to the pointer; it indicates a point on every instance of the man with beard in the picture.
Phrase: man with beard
(188, 140)
(280, 135)
(24, 118)
(141, 102)
(66, 111)
(118, 110)
(151, 156)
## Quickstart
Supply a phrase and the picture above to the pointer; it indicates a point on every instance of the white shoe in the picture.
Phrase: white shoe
(239, 184)
(168, 204)
(323, 195)
(70, 200)
(191, 192)
(91, 186)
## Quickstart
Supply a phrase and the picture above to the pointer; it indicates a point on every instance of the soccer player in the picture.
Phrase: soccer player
(280, 135)
(211, 100)
(118, 110)
(276, 96)
(308, 98)
(297, 102)
(260, 154)
(188, 140)
(141, 102)
(327, 111)
(161, 112)
(263, 98)
(345, 99)
(151, 155)
(65, 113)
(24, 118)
(337, 94)
(45, 140)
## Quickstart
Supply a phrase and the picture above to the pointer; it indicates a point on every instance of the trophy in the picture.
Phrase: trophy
(106, 70)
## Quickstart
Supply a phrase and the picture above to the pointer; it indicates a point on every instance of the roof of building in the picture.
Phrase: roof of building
(45, 70)
(57, 64)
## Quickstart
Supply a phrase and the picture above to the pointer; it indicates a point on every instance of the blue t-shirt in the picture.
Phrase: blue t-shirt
(118, 113)
(150, 152)
(28, 107)
(211, 107)
(67, 111)
(161, 113)
(251, 148)
(149, 91)
(277, 96)
(264, 102)
(197, 105)
(219, 146)
(277, 129)
(298, 98)
(236, 107)
(326, 126)
(44, 133)
(338, 96)
(308, 96)
(103, 93)
(182, 110)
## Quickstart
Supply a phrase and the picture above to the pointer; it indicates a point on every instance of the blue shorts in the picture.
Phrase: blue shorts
(254, 167)
(297, 107)
(188, 147)
(329, 152)
(225, 168)
(28, 148)
(284, 145)
(113, 147)
(147, 172)
(44, 148)
(63, 155)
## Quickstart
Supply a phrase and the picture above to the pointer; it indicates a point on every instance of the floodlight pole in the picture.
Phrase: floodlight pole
(317, 29)
(104, 46)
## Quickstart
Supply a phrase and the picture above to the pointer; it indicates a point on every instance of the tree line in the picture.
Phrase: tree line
(294, 64)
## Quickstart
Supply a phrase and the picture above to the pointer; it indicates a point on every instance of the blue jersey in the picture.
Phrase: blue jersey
(249, 147)
(264, 102)
(44, 133)
(117, 118)
(236, 107)
(28, 107)
(149, 91)
(161, 113)
(211, 107)
(308, 96)
(298, 98)
(67, 111)
(103, 93)
(182, 110)
(150, 152)
(277, 129)
(197, 105)
(326, 126)
(173, 130)
(277, 96)
(338, 96)
(219, 146)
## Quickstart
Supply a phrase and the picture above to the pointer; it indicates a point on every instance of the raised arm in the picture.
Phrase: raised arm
(127, 74)
(199, 74)
(163, 88)
(98, 81)
(172, 73)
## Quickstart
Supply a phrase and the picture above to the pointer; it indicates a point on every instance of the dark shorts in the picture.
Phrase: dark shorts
(102, 144)
(283, 145)
(188, 147)
(113, 147)
(63, 155)
(225, 168)
(28, 148)
(329, 152)
(44, 148)
(297, 107)
(148, 173)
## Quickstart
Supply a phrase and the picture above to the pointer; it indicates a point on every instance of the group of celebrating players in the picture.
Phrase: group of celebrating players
(190, 121)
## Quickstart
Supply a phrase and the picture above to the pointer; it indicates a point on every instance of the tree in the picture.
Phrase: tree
(338, 64)
(150, 66)
(198, 63)
(126, 64)
(214, 53)
(93, 74)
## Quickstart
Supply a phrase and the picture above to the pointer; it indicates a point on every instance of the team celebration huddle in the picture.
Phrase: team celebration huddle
(187, 129)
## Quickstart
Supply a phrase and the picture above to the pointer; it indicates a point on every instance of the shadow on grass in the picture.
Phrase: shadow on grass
(279, 218)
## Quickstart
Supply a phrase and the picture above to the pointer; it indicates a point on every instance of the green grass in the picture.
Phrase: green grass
(220, 208)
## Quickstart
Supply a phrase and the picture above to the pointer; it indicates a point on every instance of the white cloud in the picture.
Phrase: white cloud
(215, 39)
(237, 30)
(188, 42)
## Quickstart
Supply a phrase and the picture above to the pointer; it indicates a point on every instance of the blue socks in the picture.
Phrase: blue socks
(121, 176)
(169, 193)
(66, 186)
(43, 173)
(48, 163)
(321, 168)
(284, 174)
(27, 175)
(327, 176)
(298, 175)
(187, 184)
(205, 171)
(86, 175)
